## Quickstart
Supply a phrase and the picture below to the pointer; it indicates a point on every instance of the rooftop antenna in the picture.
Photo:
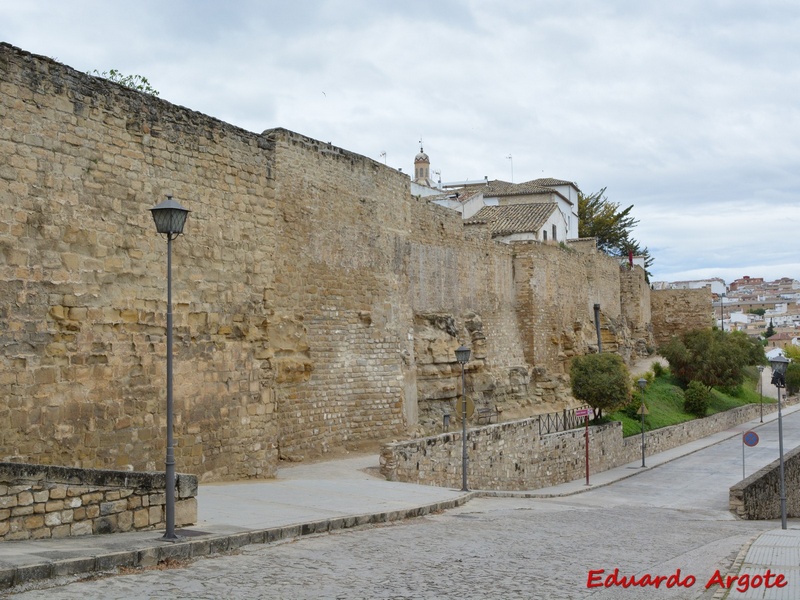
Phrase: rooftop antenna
(383, 156)
(439, 175)
(510, 158)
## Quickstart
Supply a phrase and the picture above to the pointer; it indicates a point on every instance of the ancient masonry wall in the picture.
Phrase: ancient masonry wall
(556, 290)
(677, 311)
(378, 289)
(298, 285)
(635, 303)
(317, 304)
(83, 278)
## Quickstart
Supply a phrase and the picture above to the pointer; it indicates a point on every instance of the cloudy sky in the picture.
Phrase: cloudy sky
(689, 110)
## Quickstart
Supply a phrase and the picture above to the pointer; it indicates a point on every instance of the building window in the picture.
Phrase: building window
(544, 235)
(554, 233)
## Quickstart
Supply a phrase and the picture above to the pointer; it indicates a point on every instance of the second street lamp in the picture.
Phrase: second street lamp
(761, 391)
(643, 411)
(462, 356)
(779, 364)
(169, 217)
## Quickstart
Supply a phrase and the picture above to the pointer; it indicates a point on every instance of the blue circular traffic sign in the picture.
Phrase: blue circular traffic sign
(750, 438)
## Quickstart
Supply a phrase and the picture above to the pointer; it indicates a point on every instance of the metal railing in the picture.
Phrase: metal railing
(561, 421)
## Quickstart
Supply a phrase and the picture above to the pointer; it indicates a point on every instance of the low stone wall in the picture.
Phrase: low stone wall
(513, 456)
(759, 496)
(39, 501)
(505, 456)
(667, 438)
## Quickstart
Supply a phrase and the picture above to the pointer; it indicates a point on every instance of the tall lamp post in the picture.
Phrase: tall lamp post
(761, 391)
(462, 356)
(643, 410)
(170, 217)
(779, 364)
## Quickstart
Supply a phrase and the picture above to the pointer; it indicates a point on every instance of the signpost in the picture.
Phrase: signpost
(749, 438)
(585, 412)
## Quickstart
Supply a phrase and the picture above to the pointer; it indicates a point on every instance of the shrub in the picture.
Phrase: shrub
(632, 410)
(600, 380)
(658, 369)
(696, 399)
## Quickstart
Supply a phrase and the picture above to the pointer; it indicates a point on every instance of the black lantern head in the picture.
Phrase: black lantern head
(462, 354)
(170, 217)
(642, 383)
(779, 364)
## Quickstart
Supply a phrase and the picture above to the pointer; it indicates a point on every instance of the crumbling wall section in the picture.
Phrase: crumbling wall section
(676, 311)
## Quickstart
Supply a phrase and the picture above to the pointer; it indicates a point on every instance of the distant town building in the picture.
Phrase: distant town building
(716, 284)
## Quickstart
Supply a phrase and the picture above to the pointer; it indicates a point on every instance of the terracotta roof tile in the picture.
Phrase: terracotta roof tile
(513, 218)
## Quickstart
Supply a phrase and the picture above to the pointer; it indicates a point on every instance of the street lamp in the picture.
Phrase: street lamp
(779, 364)
(169, 217)
(761, 390)
(462, 356)
(643, 411)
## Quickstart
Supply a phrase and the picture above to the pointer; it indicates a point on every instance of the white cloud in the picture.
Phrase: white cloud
(689, 111)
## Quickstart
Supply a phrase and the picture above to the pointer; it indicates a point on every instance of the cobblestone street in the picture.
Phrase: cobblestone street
(663, 519)
(498, 548)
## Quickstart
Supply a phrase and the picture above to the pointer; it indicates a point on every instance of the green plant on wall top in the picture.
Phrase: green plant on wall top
(135, 82)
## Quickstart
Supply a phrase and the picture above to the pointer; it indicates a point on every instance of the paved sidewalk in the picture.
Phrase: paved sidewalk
(327, 496)
(775, 552)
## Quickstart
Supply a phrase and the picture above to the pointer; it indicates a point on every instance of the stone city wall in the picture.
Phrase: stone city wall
(317, 304)
(513, 456)
(83, 278)
(556, 290)
(39, 502)
(635, 303)
(758, 497)
(677, 311)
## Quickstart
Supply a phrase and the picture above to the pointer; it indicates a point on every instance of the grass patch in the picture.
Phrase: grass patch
(664, 400)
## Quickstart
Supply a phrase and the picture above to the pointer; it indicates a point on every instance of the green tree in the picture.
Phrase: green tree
(757, 311)
(770, 330)
(792, 352)
(603, 220)
(792, 378)
(600, 380)
(713, 357)
(135, 82)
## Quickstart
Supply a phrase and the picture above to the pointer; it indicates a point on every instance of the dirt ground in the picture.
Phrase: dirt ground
(646, 364)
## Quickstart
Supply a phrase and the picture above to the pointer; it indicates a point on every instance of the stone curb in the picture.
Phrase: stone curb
(736, 566)
(208, 545)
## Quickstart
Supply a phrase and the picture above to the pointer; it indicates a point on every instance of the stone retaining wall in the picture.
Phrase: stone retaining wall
(513, 456)
(54, 502)
(759, 496)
